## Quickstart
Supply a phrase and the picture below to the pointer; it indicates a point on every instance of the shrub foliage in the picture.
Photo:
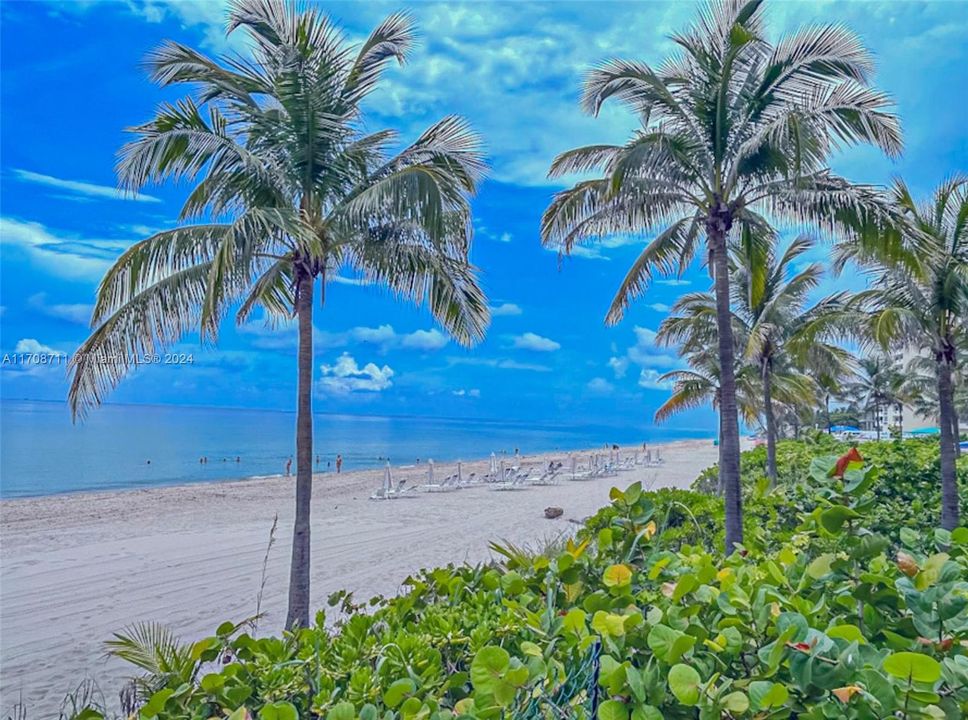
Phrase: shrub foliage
(847, 603)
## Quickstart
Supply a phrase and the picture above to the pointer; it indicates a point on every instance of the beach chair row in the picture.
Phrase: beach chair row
(503, 477)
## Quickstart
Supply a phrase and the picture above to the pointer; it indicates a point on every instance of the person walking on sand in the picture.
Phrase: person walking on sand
(288, 467)
(339, 463)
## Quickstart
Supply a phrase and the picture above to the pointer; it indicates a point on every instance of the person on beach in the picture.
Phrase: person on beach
(288, 467)
(339, 463)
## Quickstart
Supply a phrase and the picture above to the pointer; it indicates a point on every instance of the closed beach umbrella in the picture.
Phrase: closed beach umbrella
(574, 466)
(493, 463)
(460, 476)
(387, 480)
(430, 472)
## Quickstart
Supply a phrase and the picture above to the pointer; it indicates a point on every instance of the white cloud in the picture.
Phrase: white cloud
(30, 346)
(647, 354)
(345, 377)
(431, 339)
(659, 307)
(341, 280)
(500, 364)
(599, 386)
(78, 313)
(505, 237)
(619, 365)
(649, 379)
(505, 309)
(533, 341)
(383, 337)
(674, 282)
(473, 392)
(59, 254)
(79, 187)
(585, 252)
(651, 360)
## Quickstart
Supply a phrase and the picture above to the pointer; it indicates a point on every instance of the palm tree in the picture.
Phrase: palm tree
(878, 384)
(924, 304)
(771, 303)
(289, 189)
(736, 132)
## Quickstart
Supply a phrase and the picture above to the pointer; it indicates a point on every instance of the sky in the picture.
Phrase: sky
(72, 82)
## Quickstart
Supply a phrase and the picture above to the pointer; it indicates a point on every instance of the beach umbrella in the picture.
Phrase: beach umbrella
(387, 479)
(502, 470)
(430, 472)
(844, 428)
(493, 463)
(926, 431)
(460, 476)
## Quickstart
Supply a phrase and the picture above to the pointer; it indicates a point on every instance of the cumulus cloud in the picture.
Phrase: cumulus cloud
(505, 310)
(619, 365)
(31, 346)
(649, 378)
(599, 386)
(674, 282)
(78, 187)
(659, 307)
(431, 339)
(383, 337)
(473, 393)
(651, 360)
(78, 313)
(60, 254)
(345, 376)
(533, 341)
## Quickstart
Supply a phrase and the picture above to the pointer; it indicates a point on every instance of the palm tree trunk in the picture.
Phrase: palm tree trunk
(770, 421)
(826, 404)
(716, 228)
(955, 428)
(877, 419)
(949, 483)
(298, 615)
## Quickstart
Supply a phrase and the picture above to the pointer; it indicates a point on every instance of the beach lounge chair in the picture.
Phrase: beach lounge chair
(390, 490)
(516, 479)
(550, 476)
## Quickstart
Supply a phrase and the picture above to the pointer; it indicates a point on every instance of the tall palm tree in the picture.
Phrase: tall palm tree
(736, 132)
(924, 304)
(289, 188)
(777, 333)
(770, 300)
(877, 384)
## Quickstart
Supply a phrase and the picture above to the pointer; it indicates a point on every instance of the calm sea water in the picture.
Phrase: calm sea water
(42, 453)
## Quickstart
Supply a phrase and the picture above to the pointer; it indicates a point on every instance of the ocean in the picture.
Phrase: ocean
(133, 446)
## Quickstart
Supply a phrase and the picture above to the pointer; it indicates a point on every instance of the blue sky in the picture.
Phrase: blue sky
(72, 83)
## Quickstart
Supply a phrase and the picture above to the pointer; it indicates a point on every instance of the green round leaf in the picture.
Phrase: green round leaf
(913, 666)
(613, 710)
(617, 576)
(684, 682)
(398, 691)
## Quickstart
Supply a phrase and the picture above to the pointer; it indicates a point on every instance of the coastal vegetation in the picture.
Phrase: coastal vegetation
(846, 602)
(806, 578)
(291, 188)
(736, 136)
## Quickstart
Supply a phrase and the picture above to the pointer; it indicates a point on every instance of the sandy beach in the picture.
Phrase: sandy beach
(75, 568)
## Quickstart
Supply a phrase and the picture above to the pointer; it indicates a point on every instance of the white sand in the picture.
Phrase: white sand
(75, 568)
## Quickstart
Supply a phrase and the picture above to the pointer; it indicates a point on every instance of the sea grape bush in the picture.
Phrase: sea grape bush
(906, 494)
(830, 619)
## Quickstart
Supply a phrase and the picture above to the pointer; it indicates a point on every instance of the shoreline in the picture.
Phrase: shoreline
(76, 567)
(180, 483)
